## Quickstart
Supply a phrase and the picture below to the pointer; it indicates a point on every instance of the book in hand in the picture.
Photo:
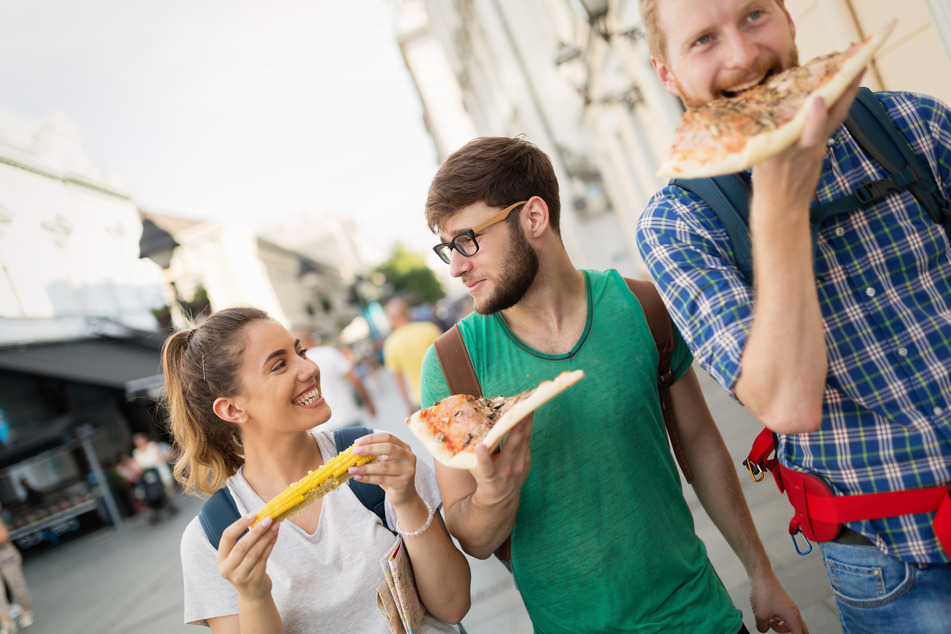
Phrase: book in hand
(397, 597)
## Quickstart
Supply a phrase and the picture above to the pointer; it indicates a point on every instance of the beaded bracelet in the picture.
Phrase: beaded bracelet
(421, 529)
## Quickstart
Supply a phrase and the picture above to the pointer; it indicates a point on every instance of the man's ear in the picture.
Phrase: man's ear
(536, 216)
(792, 24)
(227, 410)
(666, 76)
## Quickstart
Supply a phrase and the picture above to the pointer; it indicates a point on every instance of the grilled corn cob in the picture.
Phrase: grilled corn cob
(312, 486)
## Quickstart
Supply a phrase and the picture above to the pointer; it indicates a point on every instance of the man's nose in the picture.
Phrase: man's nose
(741, 51)
(458, 263)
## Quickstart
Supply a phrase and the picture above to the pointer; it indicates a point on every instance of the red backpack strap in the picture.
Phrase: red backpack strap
(461, 378)
(662, 330)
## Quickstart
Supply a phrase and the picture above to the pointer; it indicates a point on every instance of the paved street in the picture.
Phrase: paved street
(129, 581)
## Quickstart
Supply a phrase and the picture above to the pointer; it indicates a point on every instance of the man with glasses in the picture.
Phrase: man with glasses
(602, 538)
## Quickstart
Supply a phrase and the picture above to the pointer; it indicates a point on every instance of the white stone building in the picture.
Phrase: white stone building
(575, 77)
(69, 239)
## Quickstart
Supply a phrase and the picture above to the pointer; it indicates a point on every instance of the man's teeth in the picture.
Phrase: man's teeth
(308, 398)
(735, 90)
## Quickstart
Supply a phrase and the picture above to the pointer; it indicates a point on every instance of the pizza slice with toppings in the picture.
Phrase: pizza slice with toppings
(733, 134)
(452, 428)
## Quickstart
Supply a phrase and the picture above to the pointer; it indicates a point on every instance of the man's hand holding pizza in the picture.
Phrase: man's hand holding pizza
(784, 362)
(787, 181)
(481, 503)
(481, 488)
(499, 476)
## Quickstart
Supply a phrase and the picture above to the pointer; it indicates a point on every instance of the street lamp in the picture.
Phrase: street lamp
(158, 245)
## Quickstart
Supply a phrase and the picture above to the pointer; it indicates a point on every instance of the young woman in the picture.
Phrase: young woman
(241, 397)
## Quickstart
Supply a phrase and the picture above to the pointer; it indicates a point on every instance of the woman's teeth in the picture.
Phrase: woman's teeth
(308, 398)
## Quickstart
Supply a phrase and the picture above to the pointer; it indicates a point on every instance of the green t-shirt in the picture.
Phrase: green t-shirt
(604, 540)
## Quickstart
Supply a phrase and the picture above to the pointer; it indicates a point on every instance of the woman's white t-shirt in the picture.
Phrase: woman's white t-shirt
(325, 582)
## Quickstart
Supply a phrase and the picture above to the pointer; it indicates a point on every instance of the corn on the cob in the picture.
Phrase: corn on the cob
(314, 485)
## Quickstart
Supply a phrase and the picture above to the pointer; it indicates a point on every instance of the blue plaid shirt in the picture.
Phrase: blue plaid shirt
(883, 273)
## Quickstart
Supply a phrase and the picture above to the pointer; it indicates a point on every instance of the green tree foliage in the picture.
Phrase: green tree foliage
(407, 275)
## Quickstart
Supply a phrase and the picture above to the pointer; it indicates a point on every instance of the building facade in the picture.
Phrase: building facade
(575, 77)
(80, 309)
(234, 266)
(75, 328)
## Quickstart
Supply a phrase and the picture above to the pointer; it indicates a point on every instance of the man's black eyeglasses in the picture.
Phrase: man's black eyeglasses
(465, 242)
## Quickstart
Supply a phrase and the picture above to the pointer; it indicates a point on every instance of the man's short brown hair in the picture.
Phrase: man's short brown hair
(496, 171)
(656, 38)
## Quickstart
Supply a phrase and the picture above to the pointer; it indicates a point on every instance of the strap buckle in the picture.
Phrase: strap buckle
(870, 191)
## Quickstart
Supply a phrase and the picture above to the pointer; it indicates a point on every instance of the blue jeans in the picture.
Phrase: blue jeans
(877, 593)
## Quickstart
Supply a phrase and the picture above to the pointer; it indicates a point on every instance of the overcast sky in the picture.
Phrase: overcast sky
(232, 109)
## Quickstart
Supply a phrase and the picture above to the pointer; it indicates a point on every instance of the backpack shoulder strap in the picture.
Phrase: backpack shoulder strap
(461, 378)
(218, 513)
(729, 198)
(876, 132)
(662, 330)
(456, 363)
(372, 496)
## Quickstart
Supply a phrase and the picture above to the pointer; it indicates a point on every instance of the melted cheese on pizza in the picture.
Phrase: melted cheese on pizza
(461, 421)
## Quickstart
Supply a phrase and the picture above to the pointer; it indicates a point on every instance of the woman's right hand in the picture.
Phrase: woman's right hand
(243, 561)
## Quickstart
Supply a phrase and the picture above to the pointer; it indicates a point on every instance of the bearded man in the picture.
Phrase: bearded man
(843, 346)
(602, 538)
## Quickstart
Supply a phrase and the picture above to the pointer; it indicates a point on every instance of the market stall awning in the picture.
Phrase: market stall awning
(117, 363)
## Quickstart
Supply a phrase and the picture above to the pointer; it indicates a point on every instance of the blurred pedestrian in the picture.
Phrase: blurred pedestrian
(131, 472)
(340, 385)
(129, 468)
(150, 456)
(148, 453)
(404, 348)
(11, 570)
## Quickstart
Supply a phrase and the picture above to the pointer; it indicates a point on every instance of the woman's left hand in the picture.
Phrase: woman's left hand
(394, 468)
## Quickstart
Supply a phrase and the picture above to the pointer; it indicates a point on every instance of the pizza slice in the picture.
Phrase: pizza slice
(733, 134)
(452, 428)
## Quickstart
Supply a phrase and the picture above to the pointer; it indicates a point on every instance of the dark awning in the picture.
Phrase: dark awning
(110, 362)
(63, 431)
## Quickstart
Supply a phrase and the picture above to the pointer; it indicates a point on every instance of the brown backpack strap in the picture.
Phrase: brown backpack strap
(461, 378)
(456, 364)
(662, 331)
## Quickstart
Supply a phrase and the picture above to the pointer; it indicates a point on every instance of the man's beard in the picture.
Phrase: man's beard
(518, 273)
(771, 64)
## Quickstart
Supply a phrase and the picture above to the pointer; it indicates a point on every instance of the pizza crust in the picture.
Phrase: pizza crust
(466, 459)
(767, 144)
